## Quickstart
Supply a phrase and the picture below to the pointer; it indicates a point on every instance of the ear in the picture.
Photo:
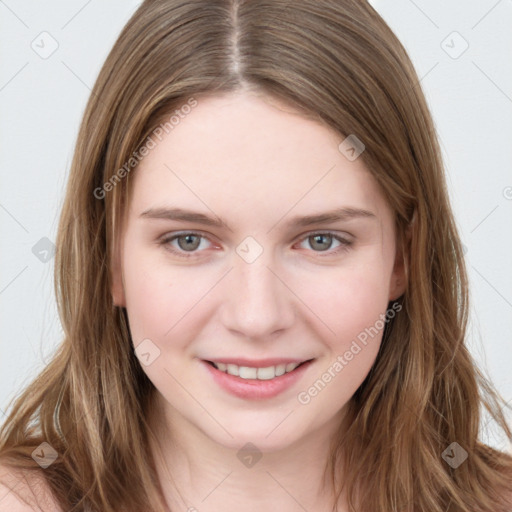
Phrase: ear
(399, 276)
(117, 285)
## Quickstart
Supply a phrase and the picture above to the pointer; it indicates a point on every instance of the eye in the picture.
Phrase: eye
(187, 242)
(322, 242)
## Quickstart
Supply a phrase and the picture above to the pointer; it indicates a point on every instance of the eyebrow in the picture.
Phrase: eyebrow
(180, 214)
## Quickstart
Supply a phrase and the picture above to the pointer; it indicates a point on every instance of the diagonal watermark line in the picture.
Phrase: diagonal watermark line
(505, 409)
(418, 82)
(424, 13)
(481, 222)
(198, 301)
(301, 198)
(76, 14)
(218, 485)
(14, 14)
(12, 280)
(425, 75)
(76, 75)
(199, 403)
(92, 92)
(493, 287)
(11, 489)
(300, 300)
(508, 404)
(63, 436)
(196, 195)
(486, 14)
(13, 217)
(492, 81)
(286, 491)
(420, 79)
(282, 421)
(14, 76)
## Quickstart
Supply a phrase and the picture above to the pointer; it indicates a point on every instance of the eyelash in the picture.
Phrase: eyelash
(166, 240)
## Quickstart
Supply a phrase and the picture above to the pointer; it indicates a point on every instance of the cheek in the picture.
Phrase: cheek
(346, 299)
(153, 297)
(162, 305)
(146, 297)
(353, 305)
(162, 300)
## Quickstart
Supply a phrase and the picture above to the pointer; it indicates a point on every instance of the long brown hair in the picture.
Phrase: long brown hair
(336, 61)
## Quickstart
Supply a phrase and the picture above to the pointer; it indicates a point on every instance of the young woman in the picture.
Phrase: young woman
(260, 282)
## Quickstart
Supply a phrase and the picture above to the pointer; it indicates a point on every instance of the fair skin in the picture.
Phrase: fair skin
(257, 165)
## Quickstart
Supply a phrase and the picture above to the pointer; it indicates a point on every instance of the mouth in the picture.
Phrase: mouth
(256, 381)
(257, 372)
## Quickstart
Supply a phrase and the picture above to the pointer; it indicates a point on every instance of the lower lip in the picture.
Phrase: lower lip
(255, 389)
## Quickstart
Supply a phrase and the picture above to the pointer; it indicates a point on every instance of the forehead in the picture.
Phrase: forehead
(243, 152)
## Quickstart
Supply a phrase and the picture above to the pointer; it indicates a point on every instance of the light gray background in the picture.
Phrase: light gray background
(42, 101)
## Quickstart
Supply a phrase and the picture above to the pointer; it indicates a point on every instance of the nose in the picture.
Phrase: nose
(258, 303)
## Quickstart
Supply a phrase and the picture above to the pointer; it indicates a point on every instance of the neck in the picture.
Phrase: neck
(198, 474)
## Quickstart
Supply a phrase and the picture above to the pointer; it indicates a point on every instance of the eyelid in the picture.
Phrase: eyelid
(335, 234)
(169, 237)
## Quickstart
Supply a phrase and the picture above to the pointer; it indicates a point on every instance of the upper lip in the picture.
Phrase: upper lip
(256, 363)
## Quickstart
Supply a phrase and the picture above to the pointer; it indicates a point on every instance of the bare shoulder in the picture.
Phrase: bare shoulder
(21, 491)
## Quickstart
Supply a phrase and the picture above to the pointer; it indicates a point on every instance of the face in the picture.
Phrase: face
(221, 259)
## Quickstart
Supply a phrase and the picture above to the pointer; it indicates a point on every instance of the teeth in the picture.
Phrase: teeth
(290, 367)
(266, 373)
(233, 369)
(280, 369)
(246, 372)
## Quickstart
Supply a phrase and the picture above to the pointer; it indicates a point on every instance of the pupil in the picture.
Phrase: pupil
(188, 245)
(325, 237)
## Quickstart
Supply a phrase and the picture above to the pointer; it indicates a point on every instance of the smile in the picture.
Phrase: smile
(256, 382)
(247, 372)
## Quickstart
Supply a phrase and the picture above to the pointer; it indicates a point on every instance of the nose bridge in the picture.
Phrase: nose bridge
(258, 303)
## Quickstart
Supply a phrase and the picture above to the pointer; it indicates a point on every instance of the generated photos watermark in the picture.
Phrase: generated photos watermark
(305, 397)
(143, 151)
